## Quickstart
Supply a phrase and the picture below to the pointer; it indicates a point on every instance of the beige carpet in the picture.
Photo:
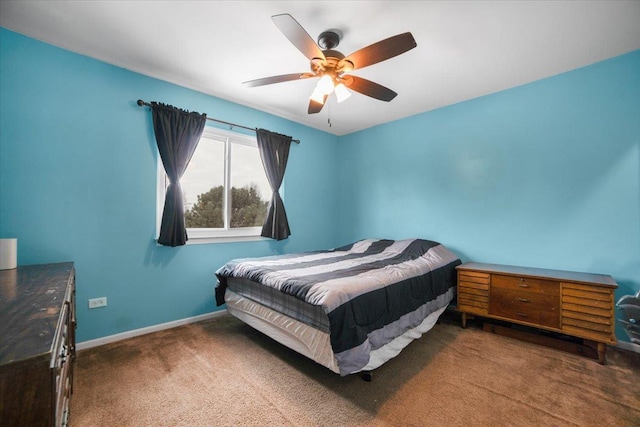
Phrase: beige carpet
(223, 373)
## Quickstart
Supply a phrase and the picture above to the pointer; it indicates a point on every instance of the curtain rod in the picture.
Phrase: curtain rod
(142, 103)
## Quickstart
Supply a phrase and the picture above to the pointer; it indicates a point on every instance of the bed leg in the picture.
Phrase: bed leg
(367, 376)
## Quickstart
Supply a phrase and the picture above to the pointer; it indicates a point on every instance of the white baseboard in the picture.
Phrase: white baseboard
(149, 329)
(629, 346)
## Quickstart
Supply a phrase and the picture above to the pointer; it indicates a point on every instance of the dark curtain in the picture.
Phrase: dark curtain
(274, 152)
(177, 135)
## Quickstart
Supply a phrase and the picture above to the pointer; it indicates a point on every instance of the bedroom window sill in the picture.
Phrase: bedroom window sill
(200, 236)
(223, 239)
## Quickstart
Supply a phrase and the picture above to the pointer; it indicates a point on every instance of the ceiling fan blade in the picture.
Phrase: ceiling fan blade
(381, 51)
(276, 79)
(316, 107)
(369, 88)
(298, 36)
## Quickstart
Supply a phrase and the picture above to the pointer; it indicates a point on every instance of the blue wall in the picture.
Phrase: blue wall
(77, 183)
(543, 175)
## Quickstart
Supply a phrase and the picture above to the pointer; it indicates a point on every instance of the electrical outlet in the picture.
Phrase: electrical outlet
(97, 302)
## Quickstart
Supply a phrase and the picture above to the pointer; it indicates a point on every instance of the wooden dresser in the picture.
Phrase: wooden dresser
(575, 304)
(37, 344)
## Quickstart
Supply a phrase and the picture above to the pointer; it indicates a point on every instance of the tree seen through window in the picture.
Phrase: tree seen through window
(247, 208)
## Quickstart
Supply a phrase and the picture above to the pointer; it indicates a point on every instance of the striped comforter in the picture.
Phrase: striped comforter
(372, 290)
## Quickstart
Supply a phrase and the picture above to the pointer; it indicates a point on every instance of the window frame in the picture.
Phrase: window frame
(213, 235)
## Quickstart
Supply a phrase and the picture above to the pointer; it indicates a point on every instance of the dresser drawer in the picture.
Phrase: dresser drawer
(588, 312)
(530, 307)
(526, 284)
(473, 292)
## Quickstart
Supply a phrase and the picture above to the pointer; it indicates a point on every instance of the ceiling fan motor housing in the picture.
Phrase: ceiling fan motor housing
(328, 40)
(330, 53)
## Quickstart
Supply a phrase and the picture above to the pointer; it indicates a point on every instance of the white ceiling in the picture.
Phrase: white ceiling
(465, 49)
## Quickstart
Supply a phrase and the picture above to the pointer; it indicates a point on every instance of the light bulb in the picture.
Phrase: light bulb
(342, 92)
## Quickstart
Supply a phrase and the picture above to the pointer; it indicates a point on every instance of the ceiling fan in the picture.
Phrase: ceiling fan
(332, 67)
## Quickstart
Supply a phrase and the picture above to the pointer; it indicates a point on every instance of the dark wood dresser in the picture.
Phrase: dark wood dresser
(37, 344)
(571, 303)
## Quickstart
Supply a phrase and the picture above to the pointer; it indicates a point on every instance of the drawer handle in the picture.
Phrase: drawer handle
(523, 300)
(521, 314)
(64, 353)
(523, 285)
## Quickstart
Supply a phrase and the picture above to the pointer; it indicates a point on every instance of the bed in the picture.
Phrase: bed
(351, 308)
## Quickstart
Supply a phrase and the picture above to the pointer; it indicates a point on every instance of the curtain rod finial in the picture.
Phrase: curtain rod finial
(140, 102)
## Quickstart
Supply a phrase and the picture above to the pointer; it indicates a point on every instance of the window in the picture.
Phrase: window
(226, 192)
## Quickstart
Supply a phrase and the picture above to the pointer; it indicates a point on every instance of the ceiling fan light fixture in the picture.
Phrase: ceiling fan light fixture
(317, 96)
(342, 92)
(325, 84)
